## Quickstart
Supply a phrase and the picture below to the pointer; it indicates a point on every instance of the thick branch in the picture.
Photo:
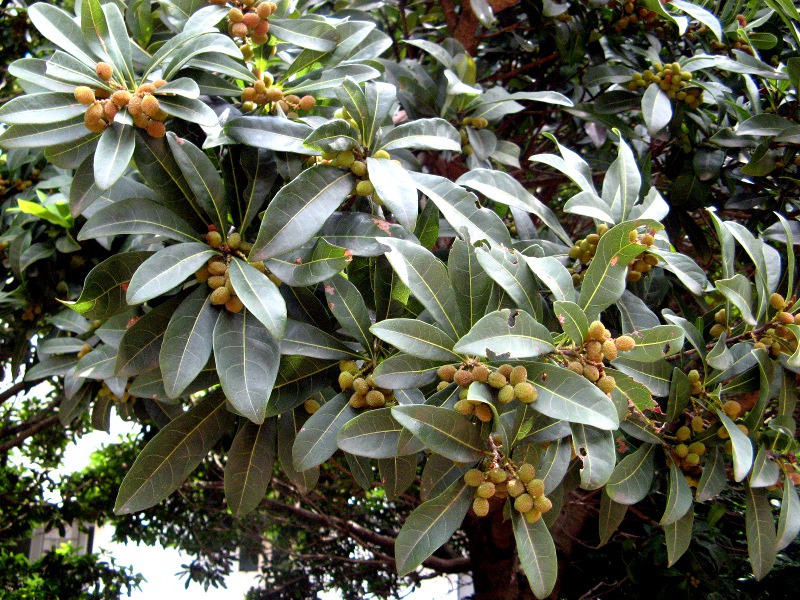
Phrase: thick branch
(15, 389)
(440, 565)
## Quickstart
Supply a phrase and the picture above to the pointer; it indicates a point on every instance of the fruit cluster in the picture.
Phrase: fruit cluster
(643, 262)
(31, 312)
(673, 80)
(475, 123)
(249, 19)
(85, 349)
(583, 252)
(518, 483)
(215, 274)
(509, 383)
(633, 16)
(355, 162)
(587, 360)
(366, 394)
(105, 392)
(142, 105)
(263, 93)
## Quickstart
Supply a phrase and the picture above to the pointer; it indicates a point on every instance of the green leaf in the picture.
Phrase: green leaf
(58, 26)
(374, 433)
(571, 397)
(760, 529)
(554, 275)
(469, 281)
(537, 553)
(330, 79)
(187, 342)
(439, 472)
(508, 336)
(512, 274)
(403, 371)
(422, 134)
(444, 431)
(789, 519)
(247, 360)
(103, 293)
(417, 338)
(765, 472)
(64, 66)
(396, 189)
(305, 33)
(742, 448)
(713, 480)
(140, 346)
(679, 496)
(595, 449)
(621, 184)
(113, 154)
(42, 108)
(554, 463)
(654, 375)
(299, 210)
(611, 516)
(369, 107)
(189, 109)
(172, 455)
(316, 441)
(42, 135)
(260, 296)
(271, 133)
(397, 474)
(251, 460)
(460, 208)
(502, 188)
(572, 319)
(426, 277)
(137, 216)
(679, 536)
(310, 264)
(202, 176)
(656, 109)
(337, 135)
(656, 343)
(430, 525)
(118, 43)
(347, 305)
(632, 477)
(166, 269)
(739, 292)
(304, 339)
(604, 281)
(298, 378)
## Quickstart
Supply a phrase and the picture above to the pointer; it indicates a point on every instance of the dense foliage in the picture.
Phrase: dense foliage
(299, 243)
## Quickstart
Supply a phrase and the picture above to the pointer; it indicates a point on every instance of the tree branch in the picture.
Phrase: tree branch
(440, 565)
(32, 430)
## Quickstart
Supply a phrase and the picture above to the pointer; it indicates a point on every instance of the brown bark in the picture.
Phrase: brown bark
(464, 25)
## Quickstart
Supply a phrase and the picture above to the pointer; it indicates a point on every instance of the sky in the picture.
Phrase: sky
(160, 565)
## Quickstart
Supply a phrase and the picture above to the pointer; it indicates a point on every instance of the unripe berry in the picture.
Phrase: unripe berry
(776, 301)
(364, 188)
(543, 504)
(307, 102)
(609, 350)
(683, 433)
(717, 330)
(381, 154)
(463, 378)
(274, 94)
(474, 477)
(464, 407)
(694, 376)
(625, 343)
(156, 129)
(202, 274)
(345, 380)
(692, 459)
(361, 386)
(523, 503)
(532, 516)
(505, 370)
(483, 412)
(591, 373)
(785, 317)
(375, 398)
(485, 490)
(216, 281)
(506, 394)
(525, 392)
(214, 239)
(311, 405)
(497, 475)
(526, 473)
(217, 267)
(480, 506)
(596, 331)
(515, 488)
(84, 95)
(358, 400)
(721, 316)
(497, 380)
(681, 450)
(575, 367)
(594, 351)
(732, 408)
(220, 296)
(697, 424)
(519, 374)
(607, 384)
(535, 488)
(104, 71)
(446, 373)
(481, 373)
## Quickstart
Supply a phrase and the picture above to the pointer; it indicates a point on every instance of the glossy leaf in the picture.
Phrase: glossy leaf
(595, 449)
(248, 471)
(270, 133)
(247, 360)
(742, 447)
(508, 335)
(347, 305)
(260, 296)
(430, 525)
(789, 519)
(444, 431)
(140, 347)
(469, 281)
(166, 269)
(396, 189)
(304, 339)
(172, 455)
(316, 441)
(632, 477)
(537, 553)
(760, 530)
(137, 216)
(103, 293)
(679, 536)
(416, 338)
(374, 433)
(679, 496)
(714, 479)
(422, 134)
(187, 342)
(610, 517)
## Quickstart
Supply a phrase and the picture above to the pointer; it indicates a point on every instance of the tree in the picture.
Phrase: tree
(300, 234)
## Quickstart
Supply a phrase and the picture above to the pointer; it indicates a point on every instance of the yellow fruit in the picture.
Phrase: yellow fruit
(345, 380)
(732, 408)
(591, 373)
(446, 373)
(480, 506)
(358, 400)
(311, 406)
(683, 433)
(535, 488)
(156, 129)
(523, 503)
(694, 376)
(214, 239)
(497, 475)
(785, 317)
(609, 350)
(381, 154)
(220, 296)
(526, 473)
(532, 516)
(485, 490)
(364, 188)
(474, 477)
(234, 305)
(596, 331)
(698, 448)
(717, 330)
(497, 380)
(697, 424)
(525, 392)
(543, 504)
(483, 412)
(358, 168)
(464, 407)
(463, 377)
(692, 459)
(721, 316)
(506, 394)
(682, 450)
(216, 281)
(481, 373)
(625, 343)
(515, 488)
(776, 301)
(349, 366)
(104, 70)
(607, 384)
(84, 95)
(361, 386)
(307, 102)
